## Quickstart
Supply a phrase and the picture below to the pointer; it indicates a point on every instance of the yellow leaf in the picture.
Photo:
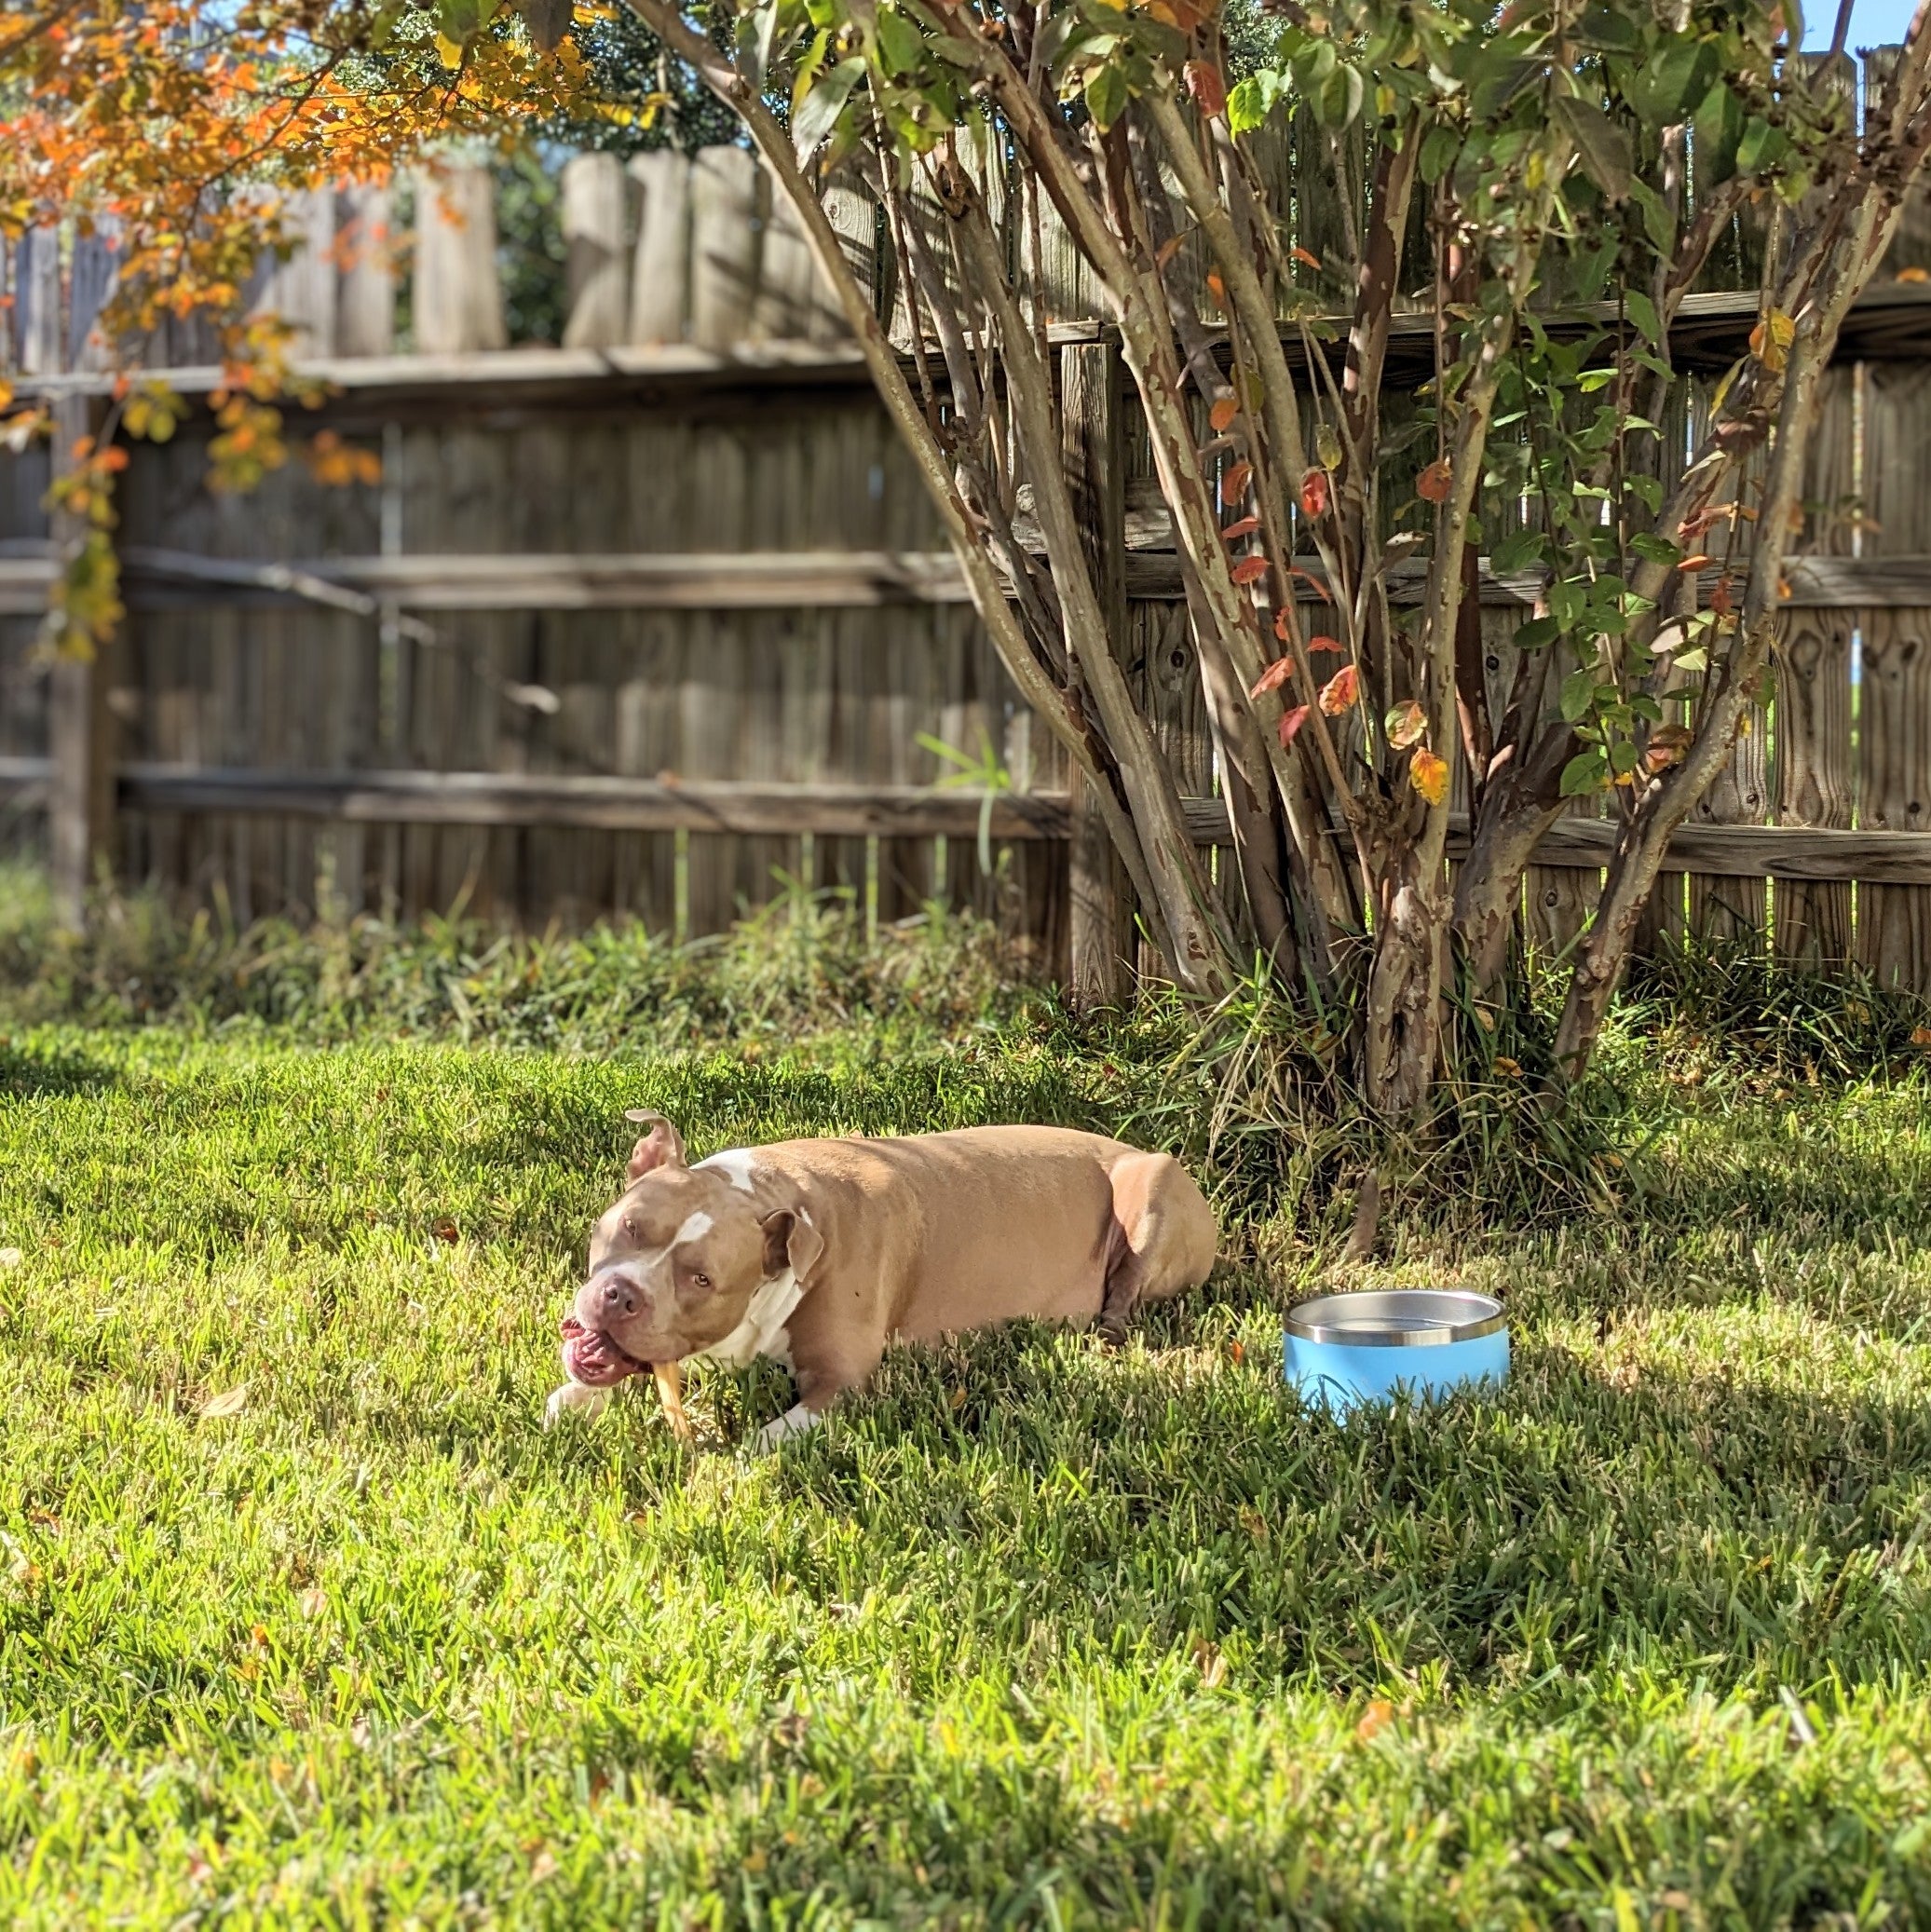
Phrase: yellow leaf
(229, 1402)
(1429, 775)
(449, 51)
(1378, 1715)
(1914, 274)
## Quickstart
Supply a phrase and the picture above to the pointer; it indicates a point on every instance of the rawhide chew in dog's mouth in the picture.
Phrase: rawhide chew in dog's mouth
(591, 1358)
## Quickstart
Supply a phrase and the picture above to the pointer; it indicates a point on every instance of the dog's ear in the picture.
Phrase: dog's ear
(792, 1241)
(662, 1147)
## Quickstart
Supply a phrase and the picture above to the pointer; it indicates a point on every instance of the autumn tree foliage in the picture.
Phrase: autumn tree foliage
(1545, 182)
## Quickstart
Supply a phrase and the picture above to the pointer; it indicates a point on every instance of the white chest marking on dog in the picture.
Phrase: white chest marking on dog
(762, 1332)
(734, 1163)
(695, 1228)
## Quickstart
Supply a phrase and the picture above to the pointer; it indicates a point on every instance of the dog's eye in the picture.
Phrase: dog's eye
(629, 1228)
(700, 1281)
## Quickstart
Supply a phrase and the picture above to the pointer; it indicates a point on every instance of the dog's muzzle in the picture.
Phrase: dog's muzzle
(592, 1359)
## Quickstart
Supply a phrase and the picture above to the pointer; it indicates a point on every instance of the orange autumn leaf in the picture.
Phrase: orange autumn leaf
(1434, 482)
(1323, 644)
(1291, 722)
(1313, 262)
(1428, 772)
(1341, 692)
(1250, 570)
(1217, 287)
(1281, 623)
(1222, 413)
(1245, 528)
(1313, 493)
(1273, 678)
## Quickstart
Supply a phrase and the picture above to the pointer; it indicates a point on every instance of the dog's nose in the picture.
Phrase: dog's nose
(617, 1299)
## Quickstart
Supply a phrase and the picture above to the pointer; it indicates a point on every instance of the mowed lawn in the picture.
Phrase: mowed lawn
(304, 1620)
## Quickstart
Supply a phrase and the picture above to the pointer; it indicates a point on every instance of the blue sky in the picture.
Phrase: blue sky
(1873, 22)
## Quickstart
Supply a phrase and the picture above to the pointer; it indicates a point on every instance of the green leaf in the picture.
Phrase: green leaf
(1537, 634)
(1339, 102)
(1677, 74)
(1585, 773)
(1697, 659)
(1106, 95)
(822, 106)
(899, 45)
(1247, 105)
(1517, 553)
(1658, 224)
(1438, 148)
(1578, 694)
(1716, 129)
(1643, 312)
(1567, 598)
(1602, 147)
(1761, 145)
(1658, 550)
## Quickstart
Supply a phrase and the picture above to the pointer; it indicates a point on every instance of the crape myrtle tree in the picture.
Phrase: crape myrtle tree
(1529, 172)
(1545, 183)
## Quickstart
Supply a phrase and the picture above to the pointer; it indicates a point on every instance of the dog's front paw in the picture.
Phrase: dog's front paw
(575, 1398)
(796, 1421)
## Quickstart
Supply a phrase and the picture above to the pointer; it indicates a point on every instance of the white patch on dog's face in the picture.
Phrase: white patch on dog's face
(734, 1163)
(695, 1229)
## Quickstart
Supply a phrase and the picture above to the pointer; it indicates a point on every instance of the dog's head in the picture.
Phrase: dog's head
(675, 1260)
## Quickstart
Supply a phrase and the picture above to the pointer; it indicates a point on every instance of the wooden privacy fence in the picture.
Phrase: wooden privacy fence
(660, 620)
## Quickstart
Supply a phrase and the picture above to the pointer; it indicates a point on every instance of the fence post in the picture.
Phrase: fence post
(458, 300)
(1101, 904)
(599, 288)
(80, 797)
(724, 247)
(301, 291)
(660, 272)
(36, 319)
(365, 290)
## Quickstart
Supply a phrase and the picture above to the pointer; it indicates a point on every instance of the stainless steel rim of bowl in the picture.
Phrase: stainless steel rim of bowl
(1397, 1318)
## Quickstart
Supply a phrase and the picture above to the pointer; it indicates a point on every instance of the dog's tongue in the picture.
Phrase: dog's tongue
(591, 1358)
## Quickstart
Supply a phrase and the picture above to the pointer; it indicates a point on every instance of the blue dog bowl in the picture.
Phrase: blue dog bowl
(1346, 1349)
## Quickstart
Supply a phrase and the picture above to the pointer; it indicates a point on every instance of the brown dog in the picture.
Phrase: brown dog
(818, 1253)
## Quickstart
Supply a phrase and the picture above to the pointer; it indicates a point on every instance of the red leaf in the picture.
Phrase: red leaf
(1313, 493)
(1313, 262)
(1245, 528)
(1719, 598)
(1209, 90)
(1291, 722)
(1281, 630)
(1250, 570)
(1222, 414)
(1323, 644)
(1273, 678)
(1340, 691)
(1217, 287)
(1307, 576)
(1433, 483)
(1233, 480)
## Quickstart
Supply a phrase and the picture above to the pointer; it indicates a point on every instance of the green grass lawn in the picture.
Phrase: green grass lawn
(304, 1620)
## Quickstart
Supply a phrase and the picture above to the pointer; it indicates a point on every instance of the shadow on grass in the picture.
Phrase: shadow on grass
(1595, 1518)
(28, 1074)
